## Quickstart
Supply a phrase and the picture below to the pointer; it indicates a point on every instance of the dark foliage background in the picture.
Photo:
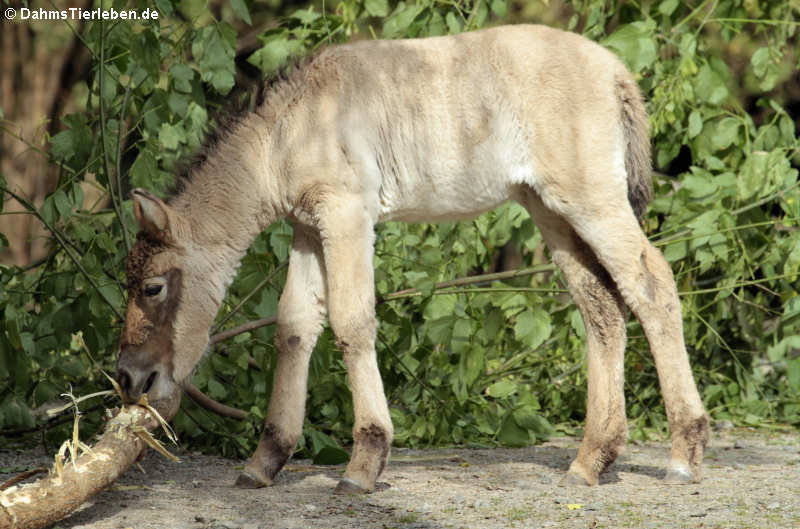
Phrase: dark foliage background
(498, 361)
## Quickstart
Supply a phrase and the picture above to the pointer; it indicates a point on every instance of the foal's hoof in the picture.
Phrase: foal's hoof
(248, 481)
(573, 479)
(349, 486)
(678, 475)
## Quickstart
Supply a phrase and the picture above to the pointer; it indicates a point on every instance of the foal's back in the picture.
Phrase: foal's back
(448, 127)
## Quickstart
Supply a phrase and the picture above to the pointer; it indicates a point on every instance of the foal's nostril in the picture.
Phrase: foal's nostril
(124, 379)
(148, 384)
(135, 382)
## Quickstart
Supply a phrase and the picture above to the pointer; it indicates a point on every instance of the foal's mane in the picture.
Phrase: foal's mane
(241, 102)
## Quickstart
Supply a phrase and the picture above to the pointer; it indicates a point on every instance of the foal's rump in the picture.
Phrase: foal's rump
(449, 127)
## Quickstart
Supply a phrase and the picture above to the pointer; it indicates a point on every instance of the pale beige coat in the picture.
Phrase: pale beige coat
(416, 130)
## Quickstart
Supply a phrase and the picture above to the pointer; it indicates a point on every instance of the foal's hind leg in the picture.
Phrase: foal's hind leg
(603, 313)
(647, 285)
(301, 313)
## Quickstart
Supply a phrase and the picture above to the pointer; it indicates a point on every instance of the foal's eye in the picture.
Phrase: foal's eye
(152, 290)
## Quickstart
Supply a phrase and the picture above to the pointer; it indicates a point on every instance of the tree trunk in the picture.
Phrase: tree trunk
(39, 63)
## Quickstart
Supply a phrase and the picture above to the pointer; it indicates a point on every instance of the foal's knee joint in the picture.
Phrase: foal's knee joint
(293, 338)
(355, 335)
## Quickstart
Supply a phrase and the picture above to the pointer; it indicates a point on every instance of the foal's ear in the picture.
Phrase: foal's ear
(154, 216)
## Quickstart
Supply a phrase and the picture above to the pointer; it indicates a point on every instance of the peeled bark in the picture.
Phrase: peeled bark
(44, 502)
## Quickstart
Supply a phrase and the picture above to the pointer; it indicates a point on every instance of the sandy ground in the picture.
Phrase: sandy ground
(752, 479)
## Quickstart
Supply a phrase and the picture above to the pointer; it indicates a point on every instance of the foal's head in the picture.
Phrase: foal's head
(170, 308)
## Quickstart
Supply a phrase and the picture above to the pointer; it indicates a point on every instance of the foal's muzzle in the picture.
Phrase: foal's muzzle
(136, 379)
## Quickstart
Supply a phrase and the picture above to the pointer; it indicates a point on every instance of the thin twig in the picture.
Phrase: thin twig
(409, 292)
(65, 245)
(249, 295)
(22, 476)
(736, 285)
(116, 198)
(471, 280)
(210, 404)
(118, 161)
(249, 326)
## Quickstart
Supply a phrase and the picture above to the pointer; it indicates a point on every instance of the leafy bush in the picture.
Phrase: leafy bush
(495, 362)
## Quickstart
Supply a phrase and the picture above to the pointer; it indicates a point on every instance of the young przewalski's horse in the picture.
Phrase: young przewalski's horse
(417, 130)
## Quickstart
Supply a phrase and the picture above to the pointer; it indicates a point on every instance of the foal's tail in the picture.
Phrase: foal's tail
(637, 144)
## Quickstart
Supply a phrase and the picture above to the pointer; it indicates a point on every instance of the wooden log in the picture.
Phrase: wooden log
(69, 484)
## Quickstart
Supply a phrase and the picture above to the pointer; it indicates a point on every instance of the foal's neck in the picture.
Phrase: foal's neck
(231, 195)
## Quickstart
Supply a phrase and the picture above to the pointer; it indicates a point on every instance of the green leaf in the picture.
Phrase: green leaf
(528, 418)
(240, 7)
(473, 365)
(533, 327)
(275, 52)
(143, 169)
(215, 389)
(62, 204)
(699, 184)
(763, 173)
(109, 84)
(194, 10)
(74, 144)
(325, 450)
(453, 23)
(636, 44)
(695, 124)
(26, 342)
(164, 7)
(675, 251)
(440, 307)
(501, 389)
(766, 66)
(15, 412)
(462, 333)
(182, 76)
(178, 103)
(710, 83)
(479, 14)
(793, 373)
(214, 49)
(144, 49)
(71, 367)
(511, 434)
(777, 352)
(377, 8)
(331, 455)
(499, 8)
(667, 7)
(170, 136)
(306, 16)
(725, 133)
(61, 145)
(436, 26)
(398, 22)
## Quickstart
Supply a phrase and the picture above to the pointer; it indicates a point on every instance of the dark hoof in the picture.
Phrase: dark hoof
(348, 486)
(571, 479)
(248, 481)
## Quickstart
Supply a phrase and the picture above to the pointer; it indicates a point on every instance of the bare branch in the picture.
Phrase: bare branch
(471, 280)
(210, 404)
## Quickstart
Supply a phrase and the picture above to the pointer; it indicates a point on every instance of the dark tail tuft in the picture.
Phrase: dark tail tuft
(637, 145)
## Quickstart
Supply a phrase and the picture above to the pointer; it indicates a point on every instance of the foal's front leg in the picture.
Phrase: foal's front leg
(301, 313)
(347, 239)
